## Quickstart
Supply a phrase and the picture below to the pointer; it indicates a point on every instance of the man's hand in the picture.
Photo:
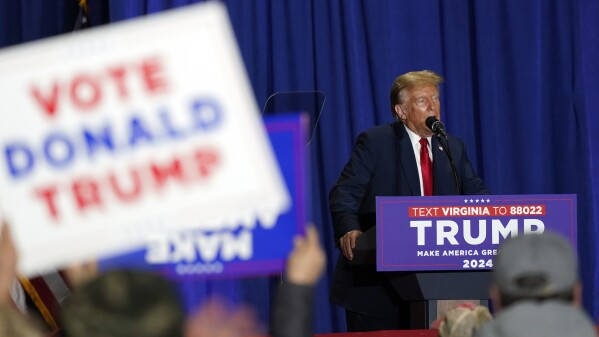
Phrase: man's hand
(348, 243)
(307, 260)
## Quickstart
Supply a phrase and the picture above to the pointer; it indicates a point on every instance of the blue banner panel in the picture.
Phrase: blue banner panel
(238, 251)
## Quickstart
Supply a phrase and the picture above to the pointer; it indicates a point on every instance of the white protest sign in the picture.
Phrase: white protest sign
(135, 126)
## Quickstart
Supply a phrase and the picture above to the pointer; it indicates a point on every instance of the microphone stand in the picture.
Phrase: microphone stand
(445, 143)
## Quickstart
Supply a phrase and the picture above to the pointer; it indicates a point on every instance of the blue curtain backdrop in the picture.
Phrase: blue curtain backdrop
(522, 84)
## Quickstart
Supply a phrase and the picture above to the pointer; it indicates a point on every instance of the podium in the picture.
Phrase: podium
(424, 290)
(442, 247)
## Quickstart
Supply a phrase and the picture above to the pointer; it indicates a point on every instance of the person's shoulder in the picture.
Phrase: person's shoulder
(550, 317)
(455, 140)
(381, 130)
(378, 136)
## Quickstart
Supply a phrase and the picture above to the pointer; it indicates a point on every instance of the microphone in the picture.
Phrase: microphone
(435, 125)
(439, 129)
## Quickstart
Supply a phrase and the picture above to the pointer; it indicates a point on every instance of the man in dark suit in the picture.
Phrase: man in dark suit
(388, 160)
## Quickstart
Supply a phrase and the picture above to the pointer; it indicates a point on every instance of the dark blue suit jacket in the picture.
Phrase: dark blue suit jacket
(383, 164)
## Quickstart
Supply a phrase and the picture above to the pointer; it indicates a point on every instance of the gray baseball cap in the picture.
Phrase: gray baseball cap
(535, 265)
(540, 319)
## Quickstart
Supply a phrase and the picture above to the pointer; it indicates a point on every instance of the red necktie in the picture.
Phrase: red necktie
(427, 168)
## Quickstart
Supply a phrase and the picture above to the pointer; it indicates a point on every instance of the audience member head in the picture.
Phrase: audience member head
(535, 267)
(551, 318)
(305, 265)
(124, 303)
(216, 318)
(464, 321)
(405, 82)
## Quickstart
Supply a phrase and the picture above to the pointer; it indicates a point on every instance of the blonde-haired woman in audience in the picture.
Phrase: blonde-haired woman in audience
(464, 320)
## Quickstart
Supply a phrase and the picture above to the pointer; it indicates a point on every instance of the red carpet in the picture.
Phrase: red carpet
(387, 333)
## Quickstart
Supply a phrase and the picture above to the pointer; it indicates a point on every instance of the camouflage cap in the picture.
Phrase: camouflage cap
(124, 303)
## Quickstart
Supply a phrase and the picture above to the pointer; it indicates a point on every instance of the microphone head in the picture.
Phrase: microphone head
(435, 125)
(430, 121)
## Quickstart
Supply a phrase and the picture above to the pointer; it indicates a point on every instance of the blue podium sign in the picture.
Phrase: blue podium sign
(463, 232)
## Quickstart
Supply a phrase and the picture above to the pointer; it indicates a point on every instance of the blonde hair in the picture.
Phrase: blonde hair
(464, 322)
(397, 95)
